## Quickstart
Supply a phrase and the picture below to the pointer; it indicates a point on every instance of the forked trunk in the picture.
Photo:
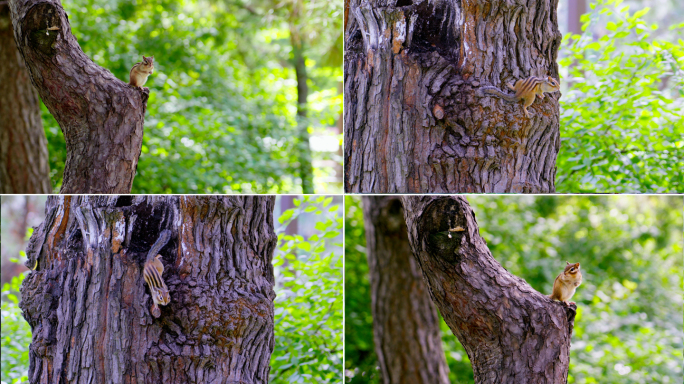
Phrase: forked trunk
(512, 333)
(101, 116)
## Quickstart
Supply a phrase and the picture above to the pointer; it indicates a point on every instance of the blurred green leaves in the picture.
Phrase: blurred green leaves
(16, 335)
(221, 113)
(309, 296)
(621, 118)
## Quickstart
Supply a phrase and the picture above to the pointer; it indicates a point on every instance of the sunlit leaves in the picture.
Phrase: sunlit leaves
(621, 119)
(16, 335)
(309, 294)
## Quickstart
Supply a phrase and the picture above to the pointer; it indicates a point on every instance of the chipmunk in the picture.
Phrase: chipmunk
(141, 71)
(152, 274)
(566, 283)
(526, 90)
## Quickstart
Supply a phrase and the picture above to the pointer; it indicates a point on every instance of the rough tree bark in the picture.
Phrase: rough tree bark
(405, 323)
(512, 333)
(23, 148)
(101, 116)
(414, 120)
(89, 308)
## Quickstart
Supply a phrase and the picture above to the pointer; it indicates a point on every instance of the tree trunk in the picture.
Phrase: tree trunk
(101, 116)
(405, 324)
(414, 119)
(23, 147)
(512, 333)
(303, 146)
(89, 307)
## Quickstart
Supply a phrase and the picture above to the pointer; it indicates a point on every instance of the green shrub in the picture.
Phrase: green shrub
(621, 119)
(16, 335)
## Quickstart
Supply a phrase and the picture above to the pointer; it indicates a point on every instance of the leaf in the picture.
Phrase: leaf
(304, 245)
(287, 215)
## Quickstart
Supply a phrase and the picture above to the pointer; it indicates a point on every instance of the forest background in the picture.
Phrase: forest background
(628, 327)
(622, 84)
(223, 113)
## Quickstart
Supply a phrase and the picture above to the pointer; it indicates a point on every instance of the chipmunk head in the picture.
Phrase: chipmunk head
(552, 84)
(571, 269)
(148, 60)
(160, 296)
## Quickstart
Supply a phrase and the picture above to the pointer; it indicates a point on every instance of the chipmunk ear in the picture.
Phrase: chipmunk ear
(566, 263)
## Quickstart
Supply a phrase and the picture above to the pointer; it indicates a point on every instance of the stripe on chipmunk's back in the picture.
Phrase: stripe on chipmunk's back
(529, 84)
(152, 277)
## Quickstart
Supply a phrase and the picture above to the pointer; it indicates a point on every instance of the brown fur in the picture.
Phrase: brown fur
(526, 90)
(141, 71)
(566, 283)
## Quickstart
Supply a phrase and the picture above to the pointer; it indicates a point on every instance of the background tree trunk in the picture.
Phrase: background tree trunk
(512, 333)
(101, 116)
(414, 122)
(299, 63)
(23, 147)
(89, 308)
(406, 326)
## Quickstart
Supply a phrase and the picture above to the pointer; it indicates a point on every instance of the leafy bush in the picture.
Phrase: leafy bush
(621, 120)
(16, 335)
(309, 297)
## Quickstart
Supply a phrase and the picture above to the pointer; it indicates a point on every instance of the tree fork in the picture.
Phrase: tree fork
(101, 116)
(512, 333)
(89, 308)
(414, 119)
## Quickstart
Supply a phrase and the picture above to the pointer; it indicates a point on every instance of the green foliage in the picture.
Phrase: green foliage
(221, 113)
(621, 120)
(16, 335)
(629, 323)
(308, 304)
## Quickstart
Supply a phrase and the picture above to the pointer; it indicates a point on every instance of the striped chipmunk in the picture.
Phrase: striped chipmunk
(566, 283)
(152, 274)
(526, 90)
(140, 72)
